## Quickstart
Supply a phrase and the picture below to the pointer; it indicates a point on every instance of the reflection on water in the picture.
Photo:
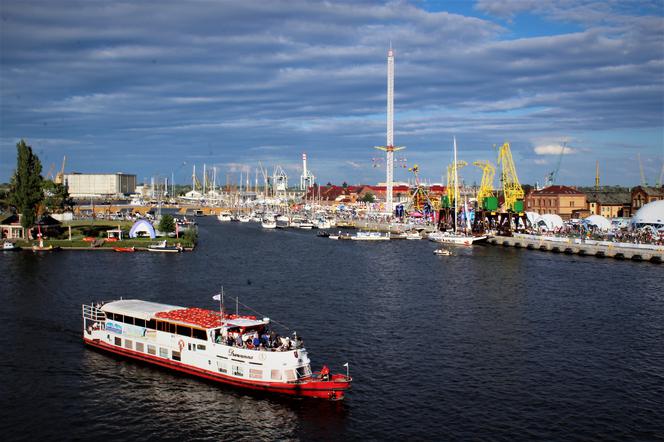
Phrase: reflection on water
(488, 343)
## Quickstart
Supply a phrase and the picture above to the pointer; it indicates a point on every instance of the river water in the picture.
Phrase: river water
(492, 343)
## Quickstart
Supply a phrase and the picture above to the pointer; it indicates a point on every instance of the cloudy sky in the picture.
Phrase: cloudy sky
(152, 88)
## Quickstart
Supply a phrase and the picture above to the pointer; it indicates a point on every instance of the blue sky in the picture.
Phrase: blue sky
(152, 88)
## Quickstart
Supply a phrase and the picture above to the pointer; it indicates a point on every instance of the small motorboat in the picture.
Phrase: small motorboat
(413, 235)
(9, 247)
(42, 248)
(124, 249)
(163, 247)
(442, 252)
(323, 234)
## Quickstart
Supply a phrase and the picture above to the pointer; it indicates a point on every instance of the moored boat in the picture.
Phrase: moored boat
(370, 236)
(231, 349)
(10, 247)
(163, 247)
(124, 249)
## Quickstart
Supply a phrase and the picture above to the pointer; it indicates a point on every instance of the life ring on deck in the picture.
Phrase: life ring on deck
(181, 344)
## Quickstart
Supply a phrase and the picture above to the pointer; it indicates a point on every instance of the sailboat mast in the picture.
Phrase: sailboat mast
(456, 186)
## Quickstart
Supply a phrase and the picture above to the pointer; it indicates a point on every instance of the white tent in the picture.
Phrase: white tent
(598, 221)
(652, 214)
(549, 221)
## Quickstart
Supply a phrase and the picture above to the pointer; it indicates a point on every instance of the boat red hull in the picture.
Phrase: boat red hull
(334, 389)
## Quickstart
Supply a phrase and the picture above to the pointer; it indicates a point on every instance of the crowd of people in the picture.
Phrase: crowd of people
(264, 340)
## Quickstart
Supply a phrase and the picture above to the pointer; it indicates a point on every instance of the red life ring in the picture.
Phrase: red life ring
(181, 344)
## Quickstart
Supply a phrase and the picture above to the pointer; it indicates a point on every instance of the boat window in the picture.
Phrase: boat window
(223, 368)
(129, 320)
(290, 375)
(276, 375)
(183, 331)
(118, 318)
(238, 370)
(118, 341)
(128, 344)
(255, 374)
(151, 324)
(303, 372)
(200, 346)
(171, 328)
(140, 347)
(200, 334)
(163, 352)
(176, 355)
(162, 326)
(139, 322)
(152, 350)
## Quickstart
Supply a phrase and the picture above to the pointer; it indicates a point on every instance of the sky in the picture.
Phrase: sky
(153, 88)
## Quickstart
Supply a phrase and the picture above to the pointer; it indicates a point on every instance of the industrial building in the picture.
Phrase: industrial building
(100, 185)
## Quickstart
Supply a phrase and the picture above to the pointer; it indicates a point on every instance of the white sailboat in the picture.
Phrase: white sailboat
(456, 237)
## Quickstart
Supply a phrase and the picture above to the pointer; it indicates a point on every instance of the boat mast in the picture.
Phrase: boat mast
(456, 186)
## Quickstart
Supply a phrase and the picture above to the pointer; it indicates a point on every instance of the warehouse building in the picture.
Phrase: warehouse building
(100, 185)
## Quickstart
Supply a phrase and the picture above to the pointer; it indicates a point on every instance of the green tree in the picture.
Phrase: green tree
(166, 224)
(26, 192)
(368, 198)
(57, 199)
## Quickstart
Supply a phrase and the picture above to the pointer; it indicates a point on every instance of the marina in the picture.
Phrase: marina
(556, 335)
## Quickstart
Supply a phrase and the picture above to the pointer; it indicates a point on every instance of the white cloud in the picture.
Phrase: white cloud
(553, 149)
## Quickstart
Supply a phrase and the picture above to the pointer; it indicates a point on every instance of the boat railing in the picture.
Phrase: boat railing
(93, 318)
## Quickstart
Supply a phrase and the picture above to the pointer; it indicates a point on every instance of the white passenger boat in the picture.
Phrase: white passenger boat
(244, 218)
(370, 236)
(283, 222)
(232, 349)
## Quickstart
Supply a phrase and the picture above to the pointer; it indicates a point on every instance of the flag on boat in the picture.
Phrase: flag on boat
(217, 297)
(346, 364)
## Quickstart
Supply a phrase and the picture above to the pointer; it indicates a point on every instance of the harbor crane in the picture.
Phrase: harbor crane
(485, 197)
(552, 176)
(448, 200)
(60, 176)
(512, 189)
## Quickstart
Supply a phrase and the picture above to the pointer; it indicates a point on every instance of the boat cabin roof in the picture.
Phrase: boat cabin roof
(137, 308)
(183, 315)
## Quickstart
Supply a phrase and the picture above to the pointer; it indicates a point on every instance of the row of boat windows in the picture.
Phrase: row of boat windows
(164, 326)
(222, 366)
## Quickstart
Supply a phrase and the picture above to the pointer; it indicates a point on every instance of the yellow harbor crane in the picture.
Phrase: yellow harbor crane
(511, 188)
(451, 184)
(485, 197)
(60, 176)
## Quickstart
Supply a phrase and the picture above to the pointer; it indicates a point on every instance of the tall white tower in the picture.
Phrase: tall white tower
(307, 178)
(390, 148)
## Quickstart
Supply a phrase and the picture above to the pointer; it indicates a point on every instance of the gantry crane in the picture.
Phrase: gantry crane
(512, 189)
(486, 199)
(60, 176)
(448, 200)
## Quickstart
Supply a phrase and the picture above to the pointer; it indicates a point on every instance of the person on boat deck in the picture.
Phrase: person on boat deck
(325, 373)
(299, 343)
(238, 339)
(256, 341)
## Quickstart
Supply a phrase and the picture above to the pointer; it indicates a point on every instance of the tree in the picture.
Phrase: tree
(166, 224)
(368, 198)
(57, 199)
(26, 185)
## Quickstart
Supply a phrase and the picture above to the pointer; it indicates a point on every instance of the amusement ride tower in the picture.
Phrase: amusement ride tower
(390, 148)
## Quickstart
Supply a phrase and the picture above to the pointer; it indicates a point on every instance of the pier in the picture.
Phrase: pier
(576, 246)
